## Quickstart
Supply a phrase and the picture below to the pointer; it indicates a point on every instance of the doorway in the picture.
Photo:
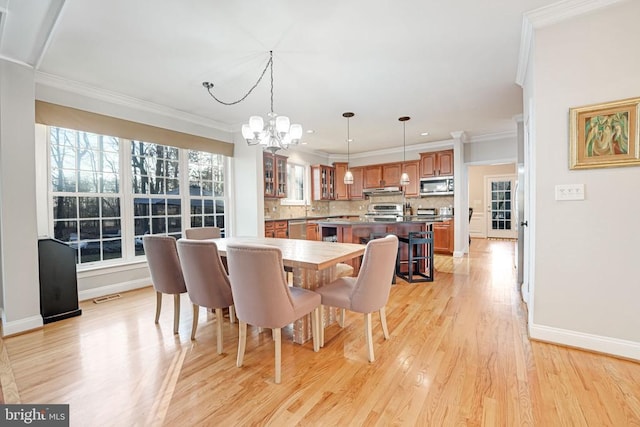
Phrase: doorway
(500, 196)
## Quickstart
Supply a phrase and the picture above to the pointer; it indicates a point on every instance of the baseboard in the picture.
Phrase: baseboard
(607, 345)
(113, 289)
(458, 254)
(21, 325)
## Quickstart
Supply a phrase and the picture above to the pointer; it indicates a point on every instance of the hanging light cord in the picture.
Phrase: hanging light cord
(348, 143)
(209, 85)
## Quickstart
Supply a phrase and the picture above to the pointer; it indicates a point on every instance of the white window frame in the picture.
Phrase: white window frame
(305, 186)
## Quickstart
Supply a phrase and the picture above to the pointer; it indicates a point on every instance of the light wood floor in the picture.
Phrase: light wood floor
(458, 355)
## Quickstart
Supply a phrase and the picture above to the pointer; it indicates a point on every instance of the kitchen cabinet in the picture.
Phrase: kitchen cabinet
(276, 229)
(275, 175)
(412, 169)
(436, 163)
(391, 174)
(443, 237)
(312, 231)
(323, 180)
(344, 191)
(383, 175)
(372, 176)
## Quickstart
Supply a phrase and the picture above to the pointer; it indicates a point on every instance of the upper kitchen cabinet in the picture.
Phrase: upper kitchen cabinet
(412, 169)
(436, 163)
(275, 175)
(351, 191)
(323, 181)
(383, 175)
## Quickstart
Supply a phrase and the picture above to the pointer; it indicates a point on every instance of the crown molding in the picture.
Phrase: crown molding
(92, 92)
(511, 134)
(548, 15)
(15, 61)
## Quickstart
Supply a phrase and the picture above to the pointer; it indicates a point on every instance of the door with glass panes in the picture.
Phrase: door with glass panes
(501, 207)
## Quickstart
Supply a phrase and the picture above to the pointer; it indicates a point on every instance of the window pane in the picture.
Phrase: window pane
(65, 230)
(110, 183)
(208, 206)
(209, 221)
(196, 221)
(89, 229)
(64, 207)
(173, 207)
(88, 182)
(174, 224)
(196, 206)
(110, 207)
(158, 207)
(112, 249)
(142, 226)
(141, 207)
(89, 207)
(110, 228)
(158, 226)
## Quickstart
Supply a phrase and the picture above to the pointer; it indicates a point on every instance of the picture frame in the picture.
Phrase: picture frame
(605, 135)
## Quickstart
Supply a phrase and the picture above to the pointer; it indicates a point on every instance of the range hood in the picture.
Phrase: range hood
(382, 191)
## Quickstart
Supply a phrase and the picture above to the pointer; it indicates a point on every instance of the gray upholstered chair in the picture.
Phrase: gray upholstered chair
(166, 273)
(207, 282)
(200, 233)
(369, 291)
(262, 297)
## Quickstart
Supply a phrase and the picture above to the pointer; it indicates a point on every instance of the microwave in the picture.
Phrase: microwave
(438, 186)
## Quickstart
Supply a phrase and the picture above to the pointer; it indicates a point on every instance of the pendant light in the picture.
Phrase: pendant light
(404, 178)
(348, 176)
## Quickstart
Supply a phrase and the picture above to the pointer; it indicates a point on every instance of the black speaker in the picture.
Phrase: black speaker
(58, 281)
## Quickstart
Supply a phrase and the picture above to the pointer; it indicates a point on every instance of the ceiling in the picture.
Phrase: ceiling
(449, 65)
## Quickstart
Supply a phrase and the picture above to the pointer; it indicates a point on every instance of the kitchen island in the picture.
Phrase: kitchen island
(362, 230)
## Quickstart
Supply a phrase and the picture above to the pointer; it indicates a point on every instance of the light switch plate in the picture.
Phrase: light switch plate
(570, 192)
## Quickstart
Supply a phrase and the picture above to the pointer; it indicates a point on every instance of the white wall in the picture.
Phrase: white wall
(18, 223)
(586, 289)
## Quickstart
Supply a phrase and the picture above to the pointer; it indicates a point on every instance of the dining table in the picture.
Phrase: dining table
(313, 264)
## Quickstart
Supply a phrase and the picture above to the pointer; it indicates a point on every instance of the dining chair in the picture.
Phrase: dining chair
(263, 298)
(369, 291)
(166, 272)
(207, 282)
(200, 233)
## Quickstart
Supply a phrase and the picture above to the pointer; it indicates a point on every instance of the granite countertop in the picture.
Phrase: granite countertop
(308, 217)
(369, 221)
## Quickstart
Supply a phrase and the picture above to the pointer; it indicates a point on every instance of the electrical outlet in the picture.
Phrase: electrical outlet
(570, 192)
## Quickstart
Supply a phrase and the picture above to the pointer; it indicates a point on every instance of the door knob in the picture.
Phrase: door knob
(524, 223)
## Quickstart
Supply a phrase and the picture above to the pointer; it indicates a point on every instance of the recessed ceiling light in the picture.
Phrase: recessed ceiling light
(424, 134)
(310, 131)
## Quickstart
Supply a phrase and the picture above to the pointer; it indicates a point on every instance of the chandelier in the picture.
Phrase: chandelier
(348, 176)
(276, 133)
(404, 178)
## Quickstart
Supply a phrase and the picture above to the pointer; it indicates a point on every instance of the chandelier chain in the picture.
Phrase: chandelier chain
(209, 85)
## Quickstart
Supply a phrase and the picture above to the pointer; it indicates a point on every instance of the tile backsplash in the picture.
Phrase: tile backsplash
(274, 210)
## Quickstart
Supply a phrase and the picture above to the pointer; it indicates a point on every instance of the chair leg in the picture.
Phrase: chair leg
(321, 325)
(314, 329)
(158, 305)
(242, 341)
(232, 314)
(278, 342)
(176, 312)
(341, 317)
(368, 337)
(383, 320)
(194, 325)
(219, 329)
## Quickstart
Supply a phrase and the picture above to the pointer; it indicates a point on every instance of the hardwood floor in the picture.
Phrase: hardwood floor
(458, 355)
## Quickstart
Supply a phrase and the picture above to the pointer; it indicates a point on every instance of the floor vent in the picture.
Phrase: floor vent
(106, 298)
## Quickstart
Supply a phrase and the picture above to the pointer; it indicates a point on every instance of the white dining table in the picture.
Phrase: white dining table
(313, 264)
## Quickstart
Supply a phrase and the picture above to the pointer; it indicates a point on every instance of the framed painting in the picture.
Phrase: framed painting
(604, 135)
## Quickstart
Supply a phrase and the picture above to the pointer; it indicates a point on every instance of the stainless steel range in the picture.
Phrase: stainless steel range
(384, 212)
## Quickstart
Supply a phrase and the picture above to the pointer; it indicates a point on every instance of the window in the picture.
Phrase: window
(85, 178)
(155, 174)
(90, 209)
(296, 193)
(206, 190)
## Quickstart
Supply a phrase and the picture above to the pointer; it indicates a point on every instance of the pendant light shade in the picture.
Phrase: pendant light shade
(404, 178)
(348, 176)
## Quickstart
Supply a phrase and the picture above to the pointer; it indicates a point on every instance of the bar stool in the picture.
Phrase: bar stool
(420, 250)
